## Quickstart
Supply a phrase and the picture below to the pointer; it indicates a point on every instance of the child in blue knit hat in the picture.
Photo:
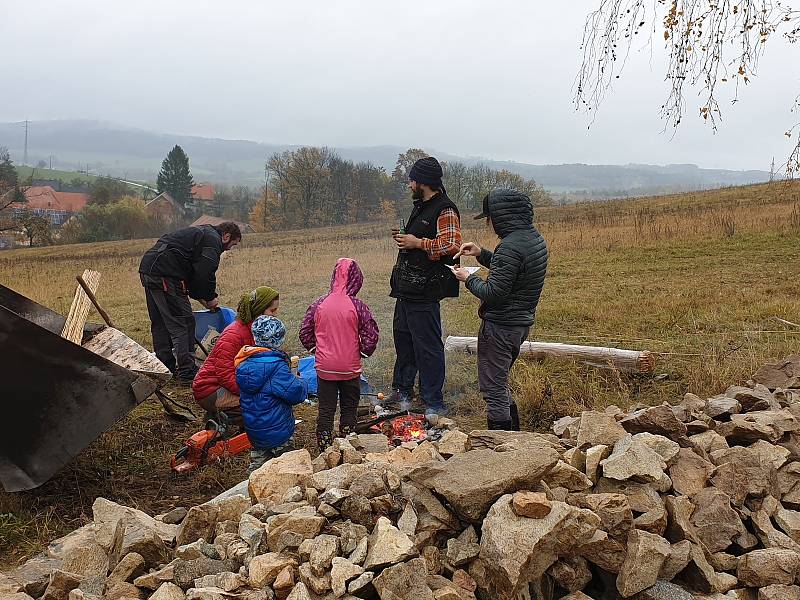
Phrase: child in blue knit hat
(269, 390)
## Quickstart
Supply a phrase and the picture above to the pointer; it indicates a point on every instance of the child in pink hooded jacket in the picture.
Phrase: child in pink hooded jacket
(340, 329)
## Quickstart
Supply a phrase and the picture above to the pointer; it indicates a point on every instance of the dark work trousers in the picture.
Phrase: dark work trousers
(419, 348)
(498, 348)
(172, 324)
(348, 394)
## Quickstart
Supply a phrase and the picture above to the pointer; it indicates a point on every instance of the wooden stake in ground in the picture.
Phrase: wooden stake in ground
(79, 311)
(634, 361)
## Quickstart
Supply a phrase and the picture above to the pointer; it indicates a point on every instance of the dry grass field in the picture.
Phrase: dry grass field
(696, 278)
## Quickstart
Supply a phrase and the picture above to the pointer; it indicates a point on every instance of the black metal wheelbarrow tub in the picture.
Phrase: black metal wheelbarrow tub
(57, 397)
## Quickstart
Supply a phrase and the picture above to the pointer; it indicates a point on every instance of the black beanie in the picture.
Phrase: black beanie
(428, 171)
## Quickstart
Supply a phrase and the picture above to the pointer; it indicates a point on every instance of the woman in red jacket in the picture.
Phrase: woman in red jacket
(214, 386)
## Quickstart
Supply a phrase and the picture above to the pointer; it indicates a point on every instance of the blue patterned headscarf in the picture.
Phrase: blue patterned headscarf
(269, 332)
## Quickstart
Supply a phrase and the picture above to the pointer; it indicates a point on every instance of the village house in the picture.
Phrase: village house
(165, 209)
(43, 200)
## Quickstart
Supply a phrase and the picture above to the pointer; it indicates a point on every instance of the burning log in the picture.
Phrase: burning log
(634, 361)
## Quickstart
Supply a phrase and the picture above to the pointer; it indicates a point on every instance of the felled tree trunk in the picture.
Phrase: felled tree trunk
(633, 361)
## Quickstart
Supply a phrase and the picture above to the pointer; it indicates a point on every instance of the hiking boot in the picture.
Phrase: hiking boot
(514, 416)
(500, 425)
(324, 440)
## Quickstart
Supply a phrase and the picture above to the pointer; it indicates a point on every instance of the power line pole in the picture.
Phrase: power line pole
(25, 155)
(772, 170)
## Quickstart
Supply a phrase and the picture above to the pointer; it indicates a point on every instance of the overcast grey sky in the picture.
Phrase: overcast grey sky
(483, 78)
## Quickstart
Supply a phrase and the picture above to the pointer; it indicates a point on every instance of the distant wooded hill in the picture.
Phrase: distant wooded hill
(136, 154)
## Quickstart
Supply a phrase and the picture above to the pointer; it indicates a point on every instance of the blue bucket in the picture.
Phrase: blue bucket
(218, 319)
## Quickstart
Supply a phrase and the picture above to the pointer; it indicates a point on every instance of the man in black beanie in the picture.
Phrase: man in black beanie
(420, 280)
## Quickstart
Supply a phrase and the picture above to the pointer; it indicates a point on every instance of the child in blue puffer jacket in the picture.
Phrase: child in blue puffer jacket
(269, 390)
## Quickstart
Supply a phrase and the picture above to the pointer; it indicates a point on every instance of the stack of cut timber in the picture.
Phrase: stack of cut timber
(79, 311)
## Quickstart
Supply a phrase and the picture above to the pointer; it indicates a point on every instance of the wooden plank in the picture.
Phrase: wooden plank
(634, 361)
(117, 347)
(79, 310)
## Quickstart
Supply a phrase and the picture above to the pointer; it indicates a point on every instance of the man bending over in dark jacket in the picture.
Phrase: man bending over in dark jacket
(182, 265)
(508, 297)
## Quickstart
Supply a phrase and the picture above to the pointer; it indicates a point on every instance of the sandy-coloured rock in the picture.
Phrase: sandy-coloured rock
(714, 520)
(720, 407)
(107, 514)
(60, 585)
(777, 455)
(388, 546)
(264, 568)
(300, 592)
(743, 430)
(677, 561)
(594, 456)
(745, 474)
(575, 457)
(361, 586)
(534, 505)
(186, 571)
(453, 442)
(304, 523)
(461, 553)
(317, 584)
(284, 583)
(646, 556)
(567, 476)
(404, 582)
(571, 573)
(633, 460)
(699, 574)
(518, 549)
(225, 581)
(779, 592)
(657, 420)
(358, 509)
(709, 441)
(359, 554)
(664, 446)
(615, 513)
(598, 428)
(789, 522)
(472, 481)
(761, 568)
(340, 477)
(323, 551)
(690, 473)
(131, 566)
(153, 580)
(680, 510)
(168, 591)
(199, 523)
(135, 535)
(604, 551)
(334, 496)
(342, 572)
(269, 483)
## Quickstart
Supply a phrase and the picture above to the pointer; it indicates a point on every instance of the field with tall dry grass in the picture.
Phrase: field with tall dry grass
(698, 279)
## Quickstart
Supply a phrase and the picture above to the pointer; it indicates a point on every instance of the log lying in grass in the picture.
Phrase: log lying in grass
(633, 361)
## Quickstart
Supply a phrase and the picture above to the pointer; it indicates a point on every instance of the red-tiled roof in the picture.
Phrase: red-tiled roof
(45, 197)
(203, 191)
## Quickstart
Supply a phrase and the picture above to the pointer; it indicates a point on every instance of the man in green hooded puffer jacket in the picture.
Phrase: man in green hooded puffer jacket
(508, 296)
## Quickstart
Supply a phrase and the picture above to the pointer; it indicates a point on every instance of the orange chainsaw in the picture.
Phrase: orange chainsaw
(209, 445)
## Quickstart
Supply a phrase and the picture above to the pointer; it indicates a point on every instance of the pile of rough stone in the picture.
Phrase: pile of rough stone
(696, 500)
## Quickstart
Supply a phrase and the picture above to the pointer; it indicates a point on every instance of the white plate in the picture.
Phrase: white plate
(471, 270)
